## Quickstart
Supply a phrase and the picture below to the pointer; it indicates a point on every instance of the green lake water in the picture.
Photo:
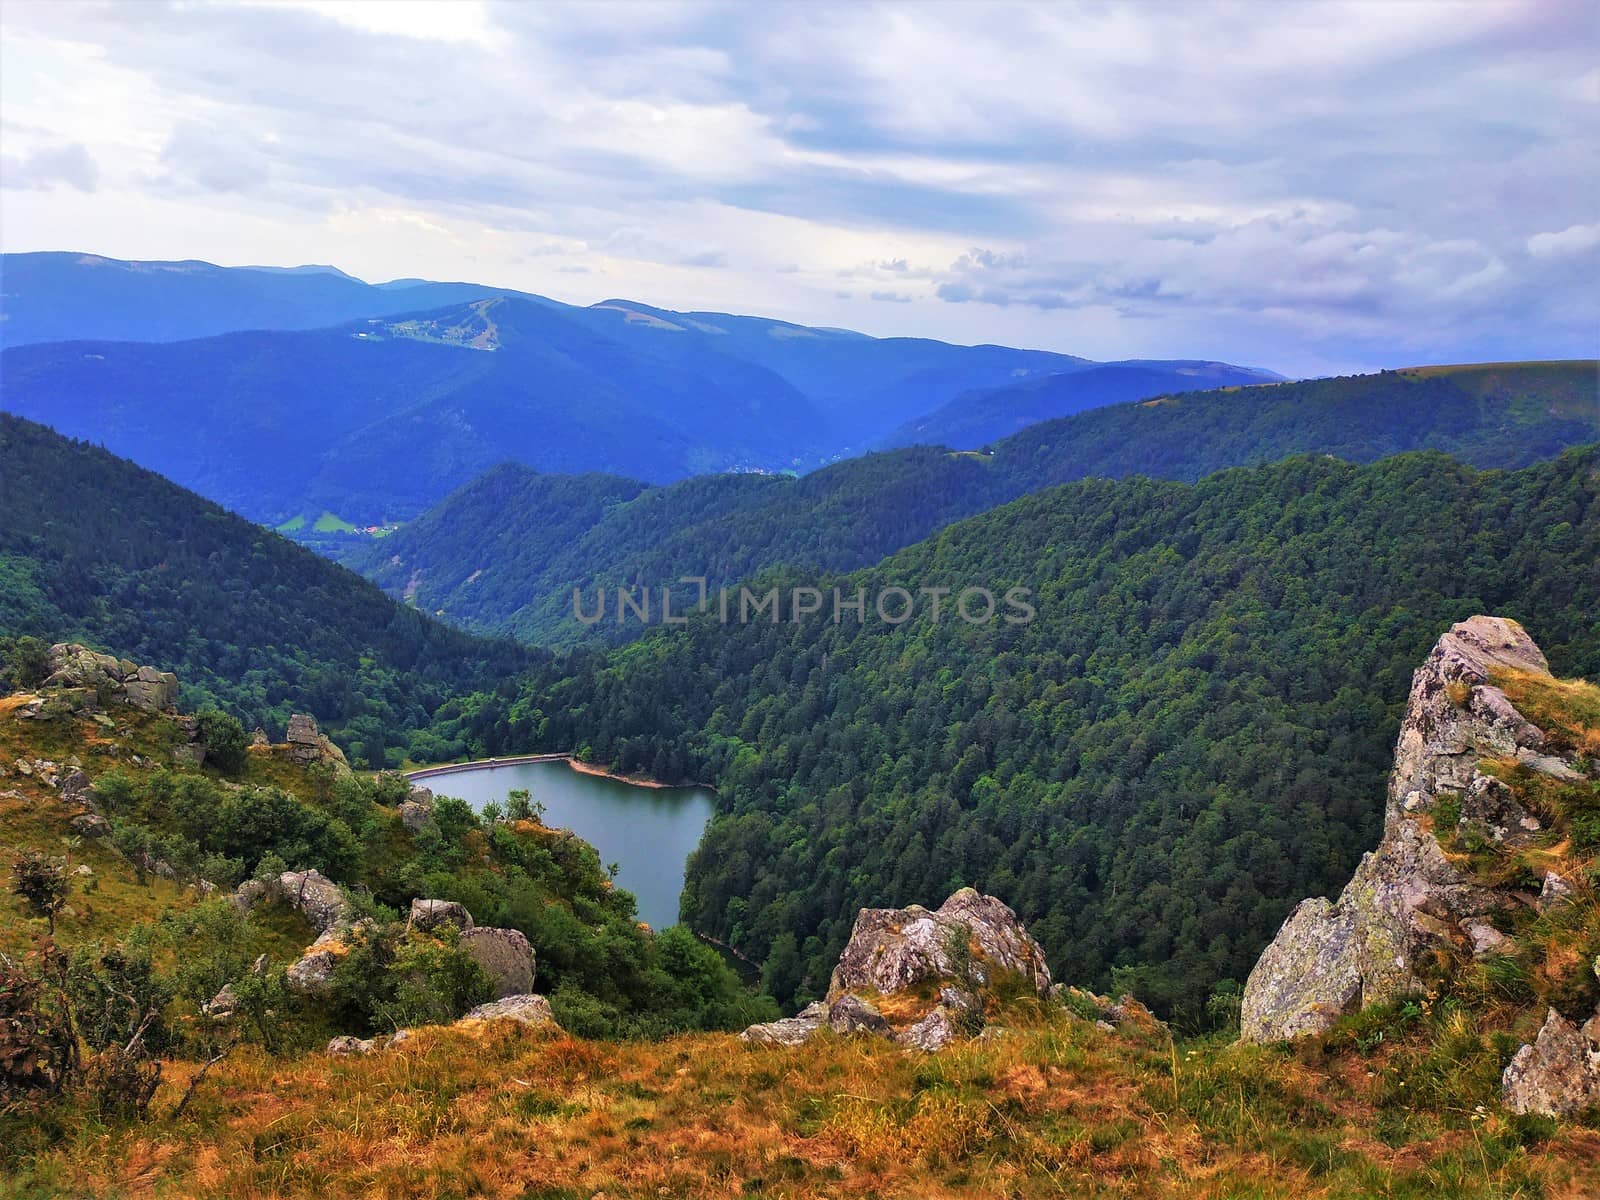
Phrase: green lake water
(649, 832)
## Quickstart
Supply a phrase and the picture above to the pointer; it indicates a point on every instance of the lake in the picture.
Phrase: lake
(648, 831)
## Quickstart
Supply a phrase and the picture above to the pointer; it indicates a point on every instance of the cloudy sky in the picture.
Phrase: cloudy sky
(1311, 187)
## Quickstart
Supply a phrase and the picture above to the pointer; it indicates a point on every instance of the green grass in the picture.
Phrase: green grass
(330, 523)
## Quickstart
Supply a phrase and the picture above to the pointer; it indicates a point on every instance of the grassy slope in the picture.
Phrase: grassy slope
(1056, 1108)
(1396, 1102)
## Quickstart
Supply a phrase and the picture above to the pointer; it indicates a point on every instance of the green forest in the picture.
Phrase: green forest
(1191, 736)
(97, 549)
(503, 553)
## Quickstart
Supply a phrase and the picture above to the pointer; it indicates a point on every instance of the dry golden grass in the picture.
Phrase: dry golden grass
(1059, 1109)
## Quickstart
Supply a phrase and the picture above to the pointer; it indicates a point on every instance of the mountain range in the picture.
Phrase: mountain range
(503, 553)
(287, 394)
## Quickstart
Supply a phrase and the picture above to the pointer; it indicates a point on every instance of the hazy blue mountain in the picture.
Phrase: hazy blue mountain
(976, 418)
(57, 297)
(861, 389)
(377, 419)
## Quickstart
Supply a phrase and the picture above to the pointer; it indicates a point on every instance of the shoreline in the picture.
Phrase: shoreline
(584, 768)
(572, 761)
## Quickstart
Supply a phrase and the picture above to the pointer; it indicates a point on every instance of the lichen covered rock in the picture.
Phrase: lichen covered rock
(527, 1008)
(307, 745)
(1559, 1072)
(891, 949)
(505, 955)
(791, 1031)
(1407, 899)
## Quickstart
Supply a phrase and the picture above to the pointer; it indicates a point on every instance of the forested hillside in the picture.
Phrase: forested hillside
(95, 548)
(1190, 736)
(978, 417)
(503, 554)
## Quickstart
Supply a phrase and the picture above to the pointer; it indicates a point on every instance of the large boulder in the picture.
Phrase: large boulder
(431, 914)
(505, 955)
(93, 678)
(1407, 899)
(891, 949)
(527, 1008)
(1559, 1073)
(306, 744)
(311, 893)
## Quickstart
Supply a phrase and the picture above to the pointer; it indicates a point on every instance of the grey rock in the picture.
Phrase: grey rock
(893, 948)
(315, 896)
(505, 955)
(791, 1031)
(415, 816)
(1549, 765)
(1555, 892)
(1559, 1073)
(1486, 939)
(351, 1045)
(527, 1008)
(90, 824)
(933, 1032)
(312, 974)
(430, 914)
(306, 744)
(851, 1014)
(420, 795)
(223, 1005)
(75, 787)
(1406, 898)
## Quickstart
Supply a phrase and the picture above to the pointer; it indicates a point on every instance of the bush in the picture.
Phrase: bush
(42, 883)
(227, 745)
(24, 662)
(38, 1051)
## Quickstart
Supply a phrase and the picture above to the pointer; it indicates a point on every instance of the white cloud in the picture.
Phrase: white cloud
(1574, 239)
(1293, 186)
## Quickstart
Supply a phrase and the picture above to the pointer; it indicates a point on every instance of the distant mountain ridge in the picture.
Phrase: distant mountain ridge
(976, 418)
(250, 384)
(62, 296)
(503, 553)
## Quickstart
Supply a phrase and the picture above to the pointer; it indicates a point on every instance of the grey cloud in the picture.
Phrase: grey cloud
(706, 258)
(892, 297)
(68, 164)
(1302, 174)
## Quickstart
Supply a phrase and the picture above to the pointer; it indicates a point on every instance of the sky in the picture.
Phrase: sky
(1314, 188)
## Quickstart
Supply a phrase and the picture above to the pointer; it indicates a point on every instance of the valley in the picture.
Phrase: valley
(699, 601)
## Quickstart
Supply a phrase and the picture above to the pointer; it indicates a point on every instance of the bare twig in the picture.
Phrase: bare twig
(199, 1076)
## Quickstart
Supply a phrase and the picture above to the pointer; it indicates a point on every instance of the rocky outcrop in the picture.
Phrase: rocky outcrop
(100, 680)
(417, 809)
(527, 1009)
(307, 745)
(506, 957)
(969, 941)
(431, 914)
(1407, 899)
(311, 893)
(891, 949)
(791, 1031)
(1559, 1073)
